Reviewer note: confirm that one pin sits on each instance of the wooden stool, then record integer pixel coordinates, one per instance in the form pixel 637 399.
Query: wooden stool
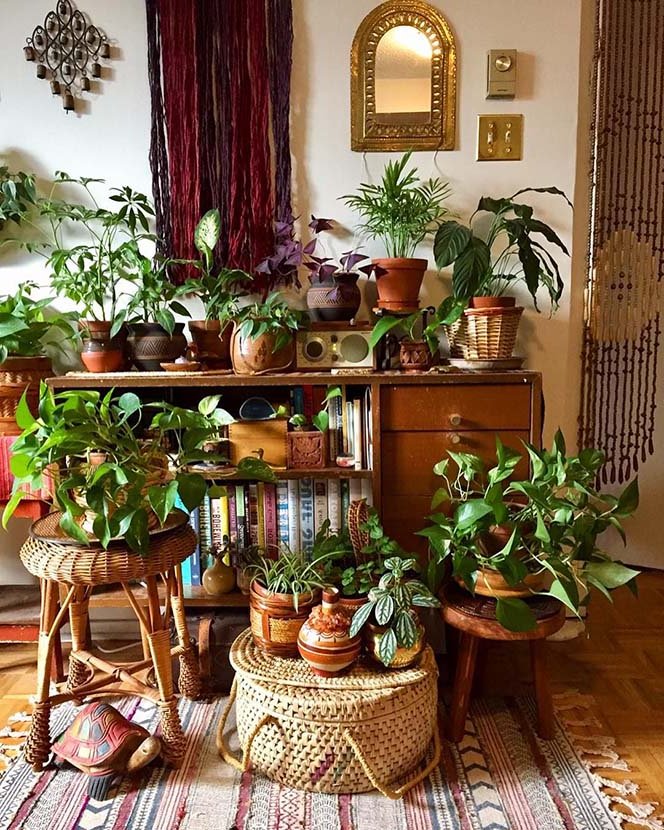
pixel 475 619
pixel 58 560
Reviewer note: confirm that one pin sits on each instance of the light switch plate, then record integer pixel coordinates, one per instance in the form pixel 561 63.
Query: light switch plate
pixel 499 137
pixel 501 73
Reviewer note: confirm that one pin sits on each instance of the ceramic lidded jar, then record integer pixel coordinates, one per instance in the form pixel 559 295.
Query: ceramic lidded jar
pixel 324 640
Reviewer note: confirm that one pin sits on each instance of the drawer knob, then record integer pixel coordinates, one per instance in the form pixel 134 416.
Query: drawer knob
pixel 455 438
pixel 455 419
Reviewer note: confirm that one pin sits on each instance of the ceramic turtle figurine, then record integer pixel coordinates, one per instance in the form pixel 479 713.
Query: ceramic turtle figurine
pixel 104 744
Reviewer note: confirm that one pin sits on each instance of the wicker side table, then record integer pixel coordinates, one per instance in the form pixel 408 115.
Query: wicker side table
pixel 58 560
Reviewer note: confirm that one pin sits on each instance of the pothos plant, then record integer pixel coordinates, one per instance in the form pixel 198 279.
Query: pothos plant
pixel 321 419
pixel 548 523
pixel 428 324
pixel 25 327
pixel 273 316
pixel 393 605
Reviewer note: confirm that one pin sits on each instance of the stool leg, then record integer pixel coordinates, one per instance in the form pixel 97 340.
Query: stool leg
pixel 79 623
pixel 38 743
pixel 463 683
pixel 542 690
pixel 190 676
pixel 172 736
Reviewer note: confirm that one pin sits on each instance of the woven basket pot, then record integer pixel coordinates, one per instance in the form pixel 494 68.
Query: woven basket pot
pixel 17 374
pixel 274 621
pixel 484 333
pixel 369 729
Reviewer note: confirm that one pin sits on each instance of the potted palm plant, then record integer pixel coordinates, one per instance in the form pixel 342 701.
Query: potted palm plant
pixel 402 212
pixel 219 291
pixel 512 539
pixel 488 266
pixel 27 334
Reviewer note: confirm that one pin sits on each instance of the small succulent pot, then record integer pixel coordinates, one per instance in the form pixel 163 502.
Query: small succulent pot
pixel 212 343
pixel 404 657
pixel 399 282
pixel 324 641
pixel 218 579
pixel 306 449
pixel 18 374
pixel 258 356
pixel 335 299
pixel 101 352
pixel 414 356
pixel 275 623
pixel 151 345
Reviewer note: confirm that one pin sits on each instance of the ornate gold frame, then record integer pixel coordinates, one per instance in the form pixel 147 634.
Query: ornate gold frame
pixel 440 132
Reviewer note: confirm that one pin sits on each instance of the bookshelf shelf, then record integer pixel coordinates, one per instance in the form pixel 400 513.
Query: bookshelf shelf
pixel 194 596
pixel 223 474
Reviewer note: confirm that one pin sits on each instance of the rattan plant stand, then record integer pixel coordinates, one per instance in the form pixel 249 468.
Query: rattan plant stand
pixel 371 728
pixel 59 561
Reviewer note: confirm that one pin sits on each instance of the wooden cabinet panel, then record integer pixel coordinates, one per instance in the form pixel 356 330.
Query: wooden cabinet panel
pixel 407 458
pixel 456 407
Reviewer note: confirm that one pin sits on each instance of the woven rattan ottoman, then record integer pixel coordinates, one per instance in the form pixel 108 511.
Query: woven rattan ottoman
pixel 372 728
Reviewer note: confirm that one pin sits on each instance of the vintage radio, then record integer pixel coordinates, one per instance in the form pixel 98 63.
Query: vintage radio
pixel 335 346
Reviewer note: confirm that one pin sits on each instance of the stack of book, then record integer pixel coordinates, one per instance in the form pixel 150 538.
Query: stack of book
pixel 269 515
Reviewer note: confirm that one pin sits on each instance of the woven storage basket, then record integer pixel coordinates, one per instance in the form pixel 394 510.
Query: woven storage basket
pixel 17 374
pixel 49 554
pixel 368 729
pixel 484 333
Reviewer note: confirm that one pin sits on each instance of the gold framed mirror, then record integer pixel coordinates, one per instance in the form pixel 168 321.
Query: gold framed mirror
pixel 403 79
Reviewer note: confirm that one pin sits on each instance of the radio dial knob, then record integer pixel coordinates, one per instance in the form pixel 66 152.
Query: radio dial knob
pixel 335 357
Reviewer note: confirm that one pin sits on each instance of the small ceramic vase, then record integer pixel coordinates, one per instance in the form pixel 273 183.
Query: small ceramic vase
pixel 218 579
pixel 324 640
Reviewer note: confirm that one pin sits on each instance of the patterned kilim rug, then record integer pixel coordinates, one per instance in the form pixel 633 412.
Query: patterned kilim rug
pixel 501 777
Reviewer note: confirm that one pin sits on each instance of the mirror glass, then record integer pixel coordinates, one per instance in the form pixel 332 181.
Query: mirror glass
pixel 403 77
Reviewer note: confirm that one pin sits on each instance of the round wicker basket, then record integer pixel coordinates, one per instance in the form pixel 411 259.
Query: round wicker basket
pixel 49 554
pixel 17 374
pixel 357 732
pixel 484 333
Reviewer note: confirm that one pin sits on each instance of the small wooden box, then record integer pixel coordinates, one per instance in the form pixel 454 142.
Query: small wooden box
pixel 307 449
pixel 247 438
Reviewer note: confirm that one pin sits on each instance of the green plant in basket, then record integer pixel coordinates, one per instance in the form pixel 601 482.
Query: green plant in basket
pixel 516 538
pixel 392 605
pixel 26 327
pixel 273 316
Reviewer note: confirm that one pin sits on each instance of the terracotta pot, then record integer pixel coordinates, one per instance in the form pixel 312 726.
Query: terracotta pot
pixel 404 657
pixel 151 345
pixel 306 449
pixel 492 302
pixel 491 583
pixel 101 352
pixel 414 356
pixel 218 579
pixel 335 299
pixel 324 640
pixel 16 375
pixel 258 357
pixel 274 621
pixel 212 344
pixel 351 604
pixel 399 287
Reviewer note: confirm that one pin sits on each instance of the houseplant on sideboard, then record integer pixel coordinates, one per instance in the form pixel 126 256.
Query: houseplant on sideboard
pixel 511 539
pixel 487 329
pixel 402 212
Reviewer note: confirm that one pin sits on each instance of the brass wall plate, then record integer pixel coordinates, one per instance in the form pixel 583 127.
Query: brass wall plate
pixel 500 137
pixel 501 73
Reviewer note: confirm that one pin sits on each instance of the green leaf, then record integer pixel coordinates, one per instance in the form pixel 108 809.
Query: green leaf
pixel 129 403
pixel 611 574
pixel 405 629
pixel 191 489
pixel 439 497
pixel 72 528
pixel 471 512
pixel 450 310
pixel 471 267
pixel 208 231
pixel 251 467
pixel 567 593
pixel 628 500
pixel 450 240
pixel 360 617
pixel 514 614
pixel 384 609
pixel 162 499
pixel 383 327
pixel 207 405
pixel 24 418
pixel 387 647
pixel 321 421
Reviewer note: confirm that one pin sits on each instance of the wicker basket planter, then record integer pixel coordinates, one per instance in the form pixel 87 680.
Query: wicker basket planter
pixel 17 374
pixel 369 729
pixel 274 621
pixel 484 333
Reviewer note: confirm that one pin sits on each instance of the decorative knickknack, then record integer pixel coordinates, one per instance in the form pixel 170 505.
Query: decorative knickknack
pixel 67 50
pixel 307 449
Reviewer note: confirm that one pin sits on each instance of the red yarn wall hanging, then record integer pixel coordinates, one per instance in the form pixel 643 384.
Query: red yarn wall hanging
pixel 220 91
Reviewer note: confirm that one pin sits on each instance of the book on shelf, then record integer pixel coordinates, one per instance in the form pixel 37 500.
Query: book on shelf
pixel 293 490
pixel 282 512
pixel 307 523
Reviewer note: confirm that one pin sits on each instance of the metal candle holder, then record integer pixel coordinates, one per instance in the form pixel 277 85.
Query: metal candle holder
pixel 67 50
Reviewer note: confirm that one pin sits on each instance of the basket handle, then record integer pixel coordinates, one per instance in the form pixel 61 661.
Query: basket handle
pixel 223 748
pixel 387 791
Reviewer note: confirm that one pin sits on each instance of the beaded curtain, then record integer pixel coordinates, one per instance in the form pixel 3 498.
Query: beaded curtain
pixel 626 250
pixel 219 77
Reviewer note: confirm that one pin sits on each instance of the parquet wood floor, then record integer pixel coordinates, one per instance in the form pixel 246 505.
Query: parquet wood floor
pixel 620 663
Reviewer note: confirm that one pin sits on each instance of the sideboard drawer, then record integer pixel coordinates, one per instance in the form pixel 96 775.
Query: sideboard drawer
pixel 456 407
pixel 408 458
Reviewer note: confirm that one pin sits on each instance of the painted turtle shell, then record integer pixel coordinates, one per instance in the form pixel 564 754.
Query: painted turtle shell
pixel 99 737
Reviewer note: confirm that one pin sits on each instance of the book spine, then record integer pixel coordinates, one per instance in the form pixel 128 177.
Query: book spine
pixel 344 420
pixel 204 534
pixel 355 489
pixel 345 501
pixel 252 513
pixel 366 491
pixel 293 515
pixel 320 504
pixel 216 521
pixel 308 393
pixel 306 492
pixel 193 563
pixel 270 510
pixel 260 519
pixel 282 512
pixel 242 529
pixel 186 565
pixel 334 504
pixel 358 447
pixel 298 400
pixel 225 519
pixel 333 436
pixel 232 518
pixel 349 427
pixel 368 428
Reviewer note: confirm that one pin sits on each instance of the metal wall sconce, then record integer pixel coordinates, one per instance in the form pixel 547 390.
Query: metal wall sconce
pixel 67 50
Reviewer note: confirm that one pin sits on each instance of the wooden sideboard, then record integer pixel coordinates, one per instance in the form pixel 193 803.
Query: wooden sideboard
pixel 415 419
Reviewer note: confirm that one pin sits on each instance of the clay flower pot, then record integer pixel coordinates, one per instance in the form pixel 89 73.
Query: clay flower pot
pixel 101 352
pixel 17 374
pixel 399 282
pixel 258 356
pixel 324 640
pixel 414 356
pixel 492 302
pixel 335 299
pixel 491 583
pixel 275 624
pixel 212 344
pixel 151 345
pixel 404 657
